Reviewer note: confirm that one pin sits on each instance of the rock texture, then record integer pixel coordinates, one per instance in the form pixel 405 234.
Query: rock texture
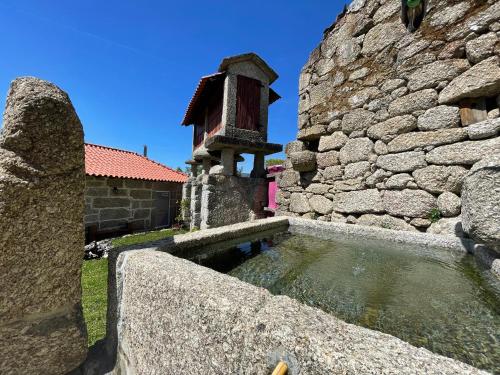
pixel 480 201
pixel 397 118
pixel 237 328
pixel 41 221
pixel 482 79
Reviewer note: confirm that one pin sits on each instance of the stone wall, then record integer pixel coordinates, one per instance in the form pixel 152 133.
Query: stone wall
pixel 390 122
pixel 114 203
pixel 230 199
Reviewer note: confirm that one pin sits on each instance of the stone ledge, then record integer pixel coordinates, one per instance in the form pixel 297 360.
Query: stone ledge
pixel 330 230
pixel 234 327
pixel 217 142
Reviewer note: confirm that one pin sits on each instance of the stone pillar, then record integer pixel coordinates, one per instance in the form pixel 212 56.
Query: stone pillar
pixel 229 102
pixel 195 204
pixel 259 170
pixel 42 233
pixel 194 170
pixel 186 201
pixel 207 164
pixel 227 161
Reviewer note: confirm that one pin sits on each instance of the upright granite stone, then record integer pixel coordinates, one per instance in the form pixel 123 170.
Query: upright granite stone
pixel 42 234
pixel 480 202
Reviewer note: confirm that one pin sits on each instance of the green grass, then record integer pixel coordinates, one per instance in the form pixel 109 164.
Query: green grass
pixel 95 283
pixel 95 288
pixel 146 237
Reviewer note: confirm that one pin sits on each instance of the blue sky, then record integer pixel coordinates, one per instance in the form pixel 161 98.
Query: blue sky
pixel 130 67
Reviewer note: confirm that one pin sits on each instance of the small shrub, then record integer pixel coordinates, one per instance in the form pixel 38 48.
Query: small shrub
pixel 434 215
pixel 271 162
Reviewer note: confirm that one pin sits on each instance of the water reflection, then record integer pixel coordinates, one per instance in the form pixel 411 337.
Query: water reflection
pixel 429 297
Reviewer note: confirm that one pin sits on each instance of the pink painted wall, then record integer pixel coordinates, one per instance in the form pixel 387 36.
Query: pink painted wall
pixel 273 186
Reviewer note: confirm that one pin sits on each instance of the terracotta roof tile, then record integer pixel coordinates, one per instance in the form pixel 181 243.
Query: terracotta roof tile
pixel 111 162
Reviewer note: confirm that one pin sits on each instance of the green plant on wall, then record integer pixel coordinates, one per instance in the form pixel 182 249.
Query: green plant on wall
pixel 270 162
pixel 184 205
pixel 434 215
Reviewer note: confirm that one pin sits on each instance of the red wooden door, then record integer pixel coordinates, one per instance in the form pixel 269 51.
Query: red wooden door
pixel 248 103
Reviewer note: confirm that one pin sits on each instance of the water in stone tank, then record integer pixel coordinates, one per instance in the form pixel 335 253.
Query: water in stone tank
pixel 437 299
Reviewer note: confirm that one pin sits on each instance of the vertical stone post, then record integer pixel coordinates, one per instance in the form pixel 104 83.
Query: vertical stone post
pixel 259 170
pixel 42 182
pixel 227 161
pixel 229 102
pixel 206 165
pixel 194 170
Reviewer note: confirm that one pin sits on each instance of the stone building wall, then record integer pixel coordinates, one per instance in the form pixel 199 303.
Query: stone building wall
pixel 113 203
pixel 230 199
pixel 390 122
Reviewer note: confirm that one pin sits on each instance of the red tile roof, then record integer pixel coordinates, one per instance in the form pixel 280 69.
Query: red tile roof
pixel 112 162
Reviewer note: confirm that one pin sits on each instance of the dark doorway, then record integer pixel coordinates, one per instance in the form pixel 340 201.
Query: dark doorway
pixel 161 210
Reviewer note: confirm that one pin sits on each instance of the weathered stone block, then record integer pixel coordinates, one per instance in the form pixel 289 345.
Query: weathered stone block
pixel 480 202
pixel 482 79
pixel 481 48
pixel 355 170
pixel 385 221
pixel 111 202
pixel 362 97
pixel 403 162
pixel 327 159
pixel 438 179
pixel 398 181
pixel 312 133
pixel 382 36
pixel 303 161
pixel 449 204
pixel 318 188
pixel 463 153
pixel 484 129
pixel 363 201
pixel 114 213
pixel 447 227
pixel 320 204
pixel 299 203
pixel 332 142
pixel 294 146
pixel 96 192
pixel 440 117
pixel 134 184
pixel 409 203
pixel 42 224
pixel 389 129
pixel 417 101
pixel 378 176
pixel 429 76
pixel 411 141
pixel 142 213
pixel 349 184
pixel 288 178
pixel 356 149
pixel 140 194
pixel 332 173
pixel 359 119
pixel 392 84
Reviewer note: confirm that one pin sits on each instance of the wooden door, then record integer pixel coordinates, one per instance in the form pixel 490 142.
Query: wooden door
pixel 248 103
